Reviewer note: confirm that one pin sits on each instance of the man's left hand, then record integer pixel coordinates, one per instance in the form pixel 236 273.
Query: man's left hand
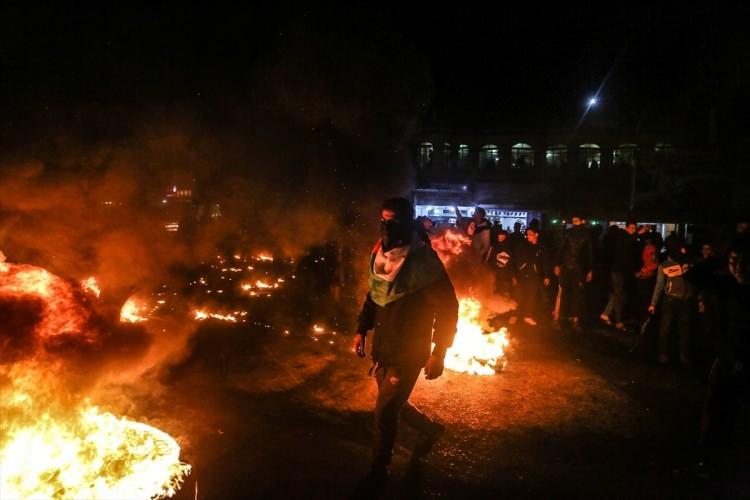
pixel 434 367
pixel 589 276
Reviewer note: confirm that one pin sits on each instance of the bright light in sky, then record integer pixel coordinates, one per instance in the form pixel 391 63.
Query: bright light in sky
pixel 592 101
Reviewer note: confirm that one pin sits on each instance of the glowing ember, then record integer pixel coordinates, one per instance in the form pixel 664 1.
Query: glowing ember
pixel 232 317
pixel 474 351
pixel 91 286
pixel 260 285
pixel 133 311
pixel 264 257
pixel 318 329
pixel 449 244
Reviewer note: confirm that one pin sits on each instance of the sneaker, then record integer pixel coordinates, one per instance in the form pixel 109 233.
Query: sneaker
pixel 513 320
pixel 529 321
pixel 606 319
pixel 663 359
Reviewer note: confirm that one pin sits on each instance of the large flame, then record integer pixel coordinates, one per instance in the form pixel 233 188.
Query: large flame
pixel 58 449
pixel 54 443
pixel 474 351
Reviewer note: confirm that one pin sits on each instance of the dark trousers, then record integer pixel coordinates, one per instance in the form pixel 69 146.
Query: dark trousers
pixel 675 313
pixel 728 396
pixel 394 387
pixel 529 295
pixel 616 296
pixel 503 281
pixel 571 299
pixel 644 290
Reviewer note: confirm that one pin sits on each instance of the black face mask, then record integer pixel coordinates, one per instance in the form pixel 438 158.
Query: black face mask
pixel 394 234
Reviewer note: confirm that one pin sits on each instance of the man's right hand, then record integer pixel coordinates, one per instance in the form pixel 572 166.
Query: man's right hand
pixel 358 345
pixel 651 309
pixel 557 271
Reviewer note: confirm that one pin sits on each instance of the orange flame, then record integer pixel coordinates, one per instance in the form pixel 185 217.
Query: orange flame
pixel 474 351
pixel 201 315
pixel 449 244
pixel 133 311
pixel 53 450
pixel 53 443
pixel 91 286
pixel 61 313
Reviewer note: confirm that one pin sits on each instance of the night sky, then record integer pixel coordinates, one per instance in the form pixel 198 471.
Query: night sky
pixel 467 68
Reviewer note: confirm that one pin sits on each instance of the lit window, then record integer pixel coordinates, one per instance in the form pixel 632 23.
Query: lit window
pixel 489 156
pixel 624 155
pixel 424 154
pixel 557 155
pixel 591 156
pixel 463 156
pixel 523 155
pixel 663 147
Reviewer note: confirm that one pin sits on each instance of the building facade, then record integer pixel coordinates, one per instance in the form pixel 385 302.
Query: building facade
pixel 607 176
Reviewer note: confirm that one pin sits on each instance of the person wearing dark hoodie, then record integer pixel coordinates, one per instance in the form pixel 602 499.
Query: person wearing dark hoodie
pixel 623 262
pixel 531 273
pixel 574 267
pixel 729 378
pixel 501 260
pixel 676 297
pixel 412 307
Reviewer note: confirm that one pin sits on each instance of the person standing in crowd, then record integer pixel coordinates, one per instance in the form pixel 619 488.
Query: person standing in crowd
pixel 729 379
pixel 708 304
pixel 656 239
pixel 649 233
pixel 479 230
pixel 574 264
pixel 645 279
pixel 501 260
pixel 623 262
pixel 530 270
pixel 676 297
pixel 496 228
pixel 412 306
pixel 516 237
pixel 424 227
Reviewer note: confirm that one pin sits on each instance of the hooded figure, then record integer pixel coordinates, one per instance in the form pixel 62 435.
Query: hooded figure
pixel 412 307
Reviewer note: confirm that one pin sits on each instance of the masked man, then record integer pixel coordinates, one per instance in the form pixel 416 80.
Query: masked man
pixel 412 306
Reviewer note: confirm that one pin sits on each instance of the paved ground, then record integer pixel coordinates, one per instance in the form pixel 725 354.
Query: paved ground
pixel 267 415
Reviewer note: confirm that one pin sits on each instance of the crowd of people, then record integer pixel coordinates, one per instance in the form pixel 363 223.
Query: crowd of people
pixel 627 278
